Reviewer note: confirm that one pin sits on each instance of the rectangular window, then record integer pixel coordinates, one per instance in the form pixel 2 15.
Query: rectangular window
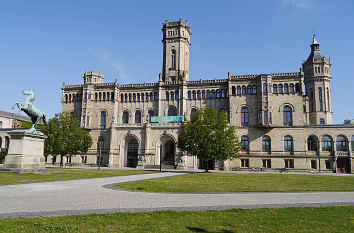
pixel 138 96
pixel 267 163
pixel 83 121
pixel 177 94
pixel 245 163
pixel 289 163
pixel 313 164
pixel 266 118
pixel 328 164
pixel 88 121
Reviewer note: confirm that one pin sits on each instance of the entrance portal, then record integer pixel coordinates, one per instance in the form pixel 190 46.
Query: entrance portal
pixel 167 151
pixel 132 153
pixel 343 165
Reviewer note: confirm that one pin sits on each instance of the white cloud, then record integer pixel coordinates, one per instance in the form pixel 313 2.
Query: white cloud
pixel 119 68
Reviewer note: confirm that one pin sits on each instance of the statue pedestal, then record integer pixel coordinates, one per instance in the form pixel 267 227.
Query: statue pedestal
pixel 25 152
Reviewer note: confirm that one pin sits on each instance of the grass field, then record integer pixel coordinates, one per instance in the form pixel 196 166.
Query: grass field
pixel 64 174
pixel 250 182
pixel 299 219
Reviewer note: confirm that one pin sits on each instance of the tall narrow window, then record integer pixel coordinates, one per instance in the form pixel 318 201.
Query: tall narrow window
pixel 107 96
pixel 280 88
pixel 264 87
pixel 125 117
pixel 203 94
pixel 341 143
pixel 194 95
pixel 177 94
pixel 167 95
pixel 254 89
pixel 198 94
pixel 288 143
pixel 208 94
pixel 249 90
pixel 189 95
pixel 245 143
pixel 138 96
pixel 130 97
pixel 173 59
pixel 134 97
pixel 138 117
pixel 312 143
pixel 217 93
pixel 172 95
pixel 88 121
pixel 103 119
pixel 243 90
pixel 222 93
pixel 151 114
pixel 275 89
pixel 156 96
pixel 266 143
pixel 238 90
pixel 287 116
pixel 233 90
pixel 326 143
pixel 291 87
pixel 212 93
pixel 244 115
pixel 142 97
pixel 266 118
pixel 286 88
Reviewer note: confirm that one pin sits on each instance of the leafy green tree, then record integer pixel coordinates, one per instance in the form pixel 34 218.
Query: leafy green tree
pixel 65 137
pixel 209 136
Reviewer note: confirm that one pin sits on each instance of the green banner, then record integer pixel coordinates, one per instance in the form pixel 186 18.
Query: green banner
pixel 156 119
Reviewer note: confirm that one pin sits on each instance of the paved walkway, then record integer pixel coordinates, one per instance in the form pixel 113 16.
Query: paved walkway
pixel 98 195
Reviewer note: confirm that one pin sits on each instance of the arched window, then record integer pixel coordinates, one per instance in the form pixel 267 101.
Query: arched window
pixel 147 96
pixel 254 89
pixel 264 87
pixel 151 96
pixel 341 143
pixel 238 90
pixel 194 95
pixel 227 93
pixel 245 143
pixel 167 95
pixel 155 96
pixel 104 96
pixel 125 117
pixel 287 116
pixel 172 95
pixel 266 143
pixel 249 90
pixel 126 97
pixel 288 143
pixel 103 119
pixel 326 143
pixel 233 91
pixel 208 94
pixel 66 98
pixel 291 86
pixel 151 114
pixel 138 97
pixel 112 95
pixel 107 96
pixel 243 90
pixel 173 59
pixel 130 97
pixel 222 93
pixel 286 88
pixel 244 115
pixel 297 87
pixel 142 97
pixel 172 111
pixel 280 88
pixel 137 117
pixel 134 97
pixel 322 122
pixel 96 96
pixel 312 143
pixel 275 88
pixel 176 94
pixel 198 94
pixel 352 143
pixel 212 93
pixel 189 95
pixel 74 98
pixel 217 93
pixel 193 111
pixel 203 94
pixel 99 96
pixel 121 97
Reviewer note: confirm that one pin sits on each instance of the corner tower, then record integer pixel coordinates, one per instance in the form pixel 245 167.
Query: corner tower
pixel 317 79
pixel 176 44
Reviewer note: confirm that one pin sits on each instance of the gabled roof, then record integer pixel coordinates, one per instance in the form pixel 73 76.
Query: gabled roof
pixel 15 116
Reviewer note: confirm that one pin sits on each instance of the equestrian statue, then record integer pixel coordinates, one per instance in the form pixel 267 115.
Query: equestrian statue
pixel 34 113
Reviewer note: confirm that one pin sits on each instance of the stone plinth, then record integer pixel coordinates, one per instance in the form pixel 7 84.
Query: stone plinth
pixel 25 151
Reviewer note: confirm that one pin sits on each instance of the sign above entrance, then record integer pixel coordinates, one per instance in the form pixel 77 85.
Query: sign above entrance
pixel 156 119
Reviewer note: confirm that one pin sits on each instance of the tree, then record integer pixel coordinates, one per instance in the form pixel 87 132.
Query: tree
pixel 209 136
pixel 65 137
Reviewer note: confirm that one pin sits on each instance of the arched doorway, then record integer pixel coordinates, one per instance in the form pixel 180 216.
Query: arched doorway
pixel 167 151
pixel 132 153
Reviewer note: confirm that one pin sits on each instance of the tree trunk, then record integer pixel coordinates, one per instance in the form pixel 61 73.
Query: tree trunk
pixel 61 160
pixel 206 165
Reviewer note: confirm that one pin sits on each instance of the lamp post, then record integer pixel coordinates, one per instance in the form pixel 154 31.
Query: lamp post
pixel 100 154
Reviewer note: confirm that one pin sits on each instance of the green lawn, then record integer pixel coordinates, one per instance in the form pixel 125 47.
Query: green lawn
pixel 299 219
pixel 231 182
pixel 65 174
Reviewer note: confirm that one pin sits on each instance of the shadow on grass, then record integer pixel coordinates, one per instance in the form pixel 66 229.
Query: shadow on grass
pixel 197 229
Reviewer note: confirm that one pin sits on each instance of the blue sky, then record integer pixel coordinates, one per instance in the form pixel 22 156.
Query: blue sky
pixel 46 43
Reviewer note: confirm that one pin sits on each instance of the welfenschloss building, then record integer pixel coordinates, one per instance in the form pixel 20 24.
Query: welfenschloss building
pixel 283 120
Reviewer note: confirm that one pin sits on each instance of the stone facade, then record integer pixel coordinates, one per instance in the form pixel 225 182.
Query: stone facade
pixel 282 119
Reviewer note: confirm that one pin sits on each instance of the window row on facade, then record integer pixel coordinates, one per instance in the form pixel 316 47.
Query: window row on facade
pixel 288 163
pixel 98 96
pixel 277 88
pixel 137 97
pixel 208 94
pixel 312 143
pixel 266 116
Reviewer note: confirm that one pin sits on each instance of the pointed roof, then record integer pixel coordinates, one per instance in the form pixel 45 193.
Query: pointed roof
pixel 314 41
pixel 315 50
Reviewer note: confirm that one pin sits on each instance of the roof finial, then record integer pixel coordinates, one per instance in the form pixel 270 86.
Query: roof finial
pixel 314 41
